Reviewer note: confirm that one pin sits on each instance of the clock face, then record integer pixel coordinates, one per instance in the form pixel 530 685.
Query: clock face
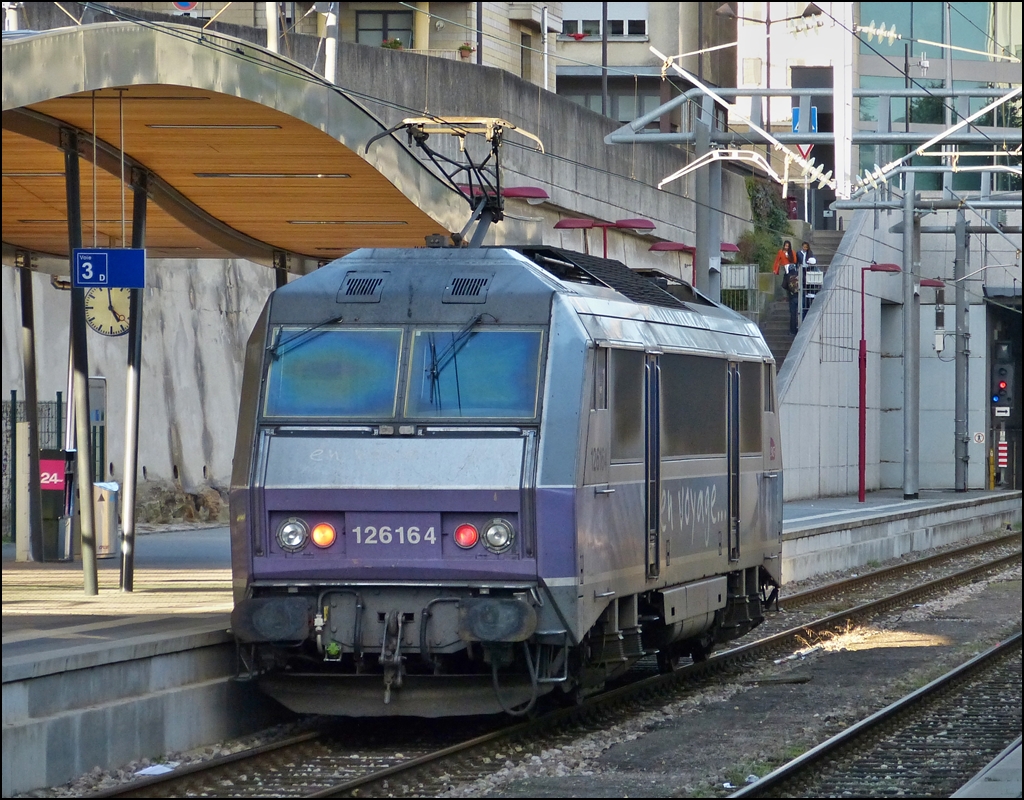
pixel 106 310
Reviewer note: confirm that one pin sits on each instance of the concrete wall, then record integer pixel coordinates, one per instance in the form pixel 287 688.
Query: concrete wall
pixel 196 319
pixel 148 696
pixel 818 383
pixel 816 550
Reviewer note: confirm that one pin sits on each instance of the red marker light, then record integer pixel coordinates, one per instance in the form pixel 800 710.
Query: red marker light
pixel 466 536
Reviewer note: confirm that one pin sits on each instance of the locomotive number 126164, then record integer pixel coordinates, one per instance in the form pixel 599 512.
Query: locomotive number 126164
pixel 394 531
pixel 385 534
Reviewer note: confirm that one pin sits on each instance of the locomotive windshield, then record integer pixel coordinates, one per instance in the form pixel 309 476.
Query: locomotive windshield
pixel 350 372
pixel 474 373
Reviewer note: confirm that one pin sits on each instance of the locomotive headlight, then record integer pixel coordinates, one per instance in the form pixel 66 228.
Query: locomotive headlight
pixel 498 535
pixel 292 534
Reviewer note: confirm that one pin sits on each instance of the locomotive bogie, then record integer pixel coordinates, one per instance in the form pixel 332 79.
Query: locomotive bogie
pixel 466 478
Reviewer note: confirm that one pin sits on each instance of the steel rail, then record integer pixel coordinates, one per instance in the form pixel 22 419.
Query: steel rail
pixel 652 687
pixel 132 789
pixel 661 684
pixel 807 761
pixel 814 595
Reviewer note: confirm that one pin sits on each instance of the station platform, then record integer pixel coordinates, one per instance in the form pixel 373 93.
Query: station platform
pixel 104 680
pixel 1000 778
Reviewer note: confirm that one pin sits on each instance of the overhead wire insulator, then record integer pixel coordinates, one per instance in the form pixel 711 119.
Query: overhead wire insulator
pixel 880 32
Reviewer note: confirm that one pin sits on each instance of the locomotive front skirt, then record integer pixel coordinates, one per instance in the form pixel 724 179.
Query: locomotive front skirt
pixel 467 478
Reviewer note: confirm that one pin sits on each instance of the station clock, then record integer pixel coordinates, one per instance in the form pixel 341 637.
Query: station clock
pixel 106 310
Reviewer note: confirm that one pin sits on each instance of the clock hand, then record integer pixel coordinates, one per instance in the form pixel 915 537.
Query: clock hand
pixel 110 305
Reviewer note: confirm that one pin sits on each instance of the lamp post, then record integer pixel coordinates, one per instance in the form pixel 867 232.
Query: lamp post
pixel 579 225
pixel 863 380
pixel 679 247
pixel 586 224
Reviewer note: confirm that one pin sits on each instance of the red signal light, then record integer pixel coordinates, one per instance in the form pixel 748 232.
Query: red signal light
pixel 1002 385
pixel 466 536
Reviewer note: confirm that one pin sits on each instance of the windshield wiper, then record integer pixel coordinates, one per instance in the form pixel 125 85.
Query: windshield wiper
pixel 308 334
pixel 439 362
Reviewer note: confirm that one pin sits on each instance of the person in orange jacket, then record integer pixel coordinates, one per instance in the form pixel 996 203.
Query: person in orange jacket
pixel 785 257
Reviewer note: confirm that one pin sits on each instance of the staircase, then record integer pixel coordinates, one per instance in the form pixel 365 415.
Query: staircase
pixel 775 327
pixel 774 322
pixel 824 244
pixel 775 319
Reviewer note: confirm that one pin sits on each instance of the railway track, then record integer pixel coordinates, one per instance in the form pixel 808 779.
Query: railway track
pixel 324 763
pixel 926 744
pixel 865 581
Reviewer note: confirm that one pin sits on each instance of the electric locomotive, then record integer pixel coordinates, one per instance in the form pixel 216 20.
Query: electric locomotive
pixel 467 478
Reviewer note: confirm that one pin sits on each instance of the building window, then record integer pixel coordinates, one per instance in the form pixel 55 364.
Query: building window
pixel 376 27
pixel 624 19
pixel 752 69
pixel 971 25
pixel 624 106
pixel 526 57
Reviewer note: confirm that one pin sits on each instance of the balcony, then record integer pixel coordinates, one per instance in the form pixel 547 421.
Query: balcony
pixel 530 14
pixel 451 55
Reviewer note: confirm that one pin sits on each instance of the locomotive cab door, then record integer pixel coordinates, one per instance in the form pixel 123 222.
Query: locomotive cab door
pixel 733 459
pixel 652 464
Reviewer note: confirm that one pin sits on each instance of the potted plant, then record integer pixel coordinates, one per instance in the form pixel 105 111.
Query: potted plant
pixel 465 49
pixel 392 44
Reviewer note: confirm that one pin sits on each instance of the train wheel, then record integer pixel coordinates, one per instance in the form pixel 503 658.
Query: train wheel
pixel 669 660
pixel 701 648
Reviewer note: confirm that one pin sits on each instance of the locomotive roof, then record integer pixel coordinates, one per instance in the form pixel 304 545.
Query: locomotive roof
pixel 513 284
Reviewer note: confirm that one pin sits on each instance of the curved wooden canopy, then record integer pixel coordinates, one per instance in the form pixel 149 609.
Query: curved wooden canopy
pixel 246 153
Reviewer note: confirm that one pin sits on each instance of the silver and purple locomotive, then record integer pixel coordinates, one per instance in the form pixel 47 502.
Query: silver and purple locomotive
pixel 467 478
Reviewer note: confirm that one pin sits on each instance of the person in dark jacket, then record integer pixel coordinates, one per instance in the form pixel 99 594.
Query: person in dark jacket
pixel 791 283
pixel 803 256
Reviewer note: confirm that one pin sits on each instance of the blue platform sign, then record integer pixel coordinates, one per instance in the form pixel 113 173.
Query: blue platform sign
pixel 116 268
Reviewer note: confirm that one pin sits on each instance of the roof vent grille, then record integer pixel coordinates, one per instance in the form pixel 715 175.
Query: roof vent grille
pixel 361 287
pixel 467 289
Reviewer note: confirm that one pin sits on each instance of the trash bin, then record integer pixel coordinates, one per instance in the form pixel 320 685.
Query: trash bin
pixel 104 499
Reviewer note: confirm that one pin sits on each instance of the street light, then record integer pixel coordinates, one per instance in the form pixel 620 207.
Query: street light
pixel 679 247
pixel 533 195
pixel 863 376
pixel 572 223
pixel 577 224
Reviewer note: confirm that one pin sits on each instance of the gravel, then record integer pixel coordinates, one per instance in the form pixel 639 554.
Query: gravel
pixel 612 761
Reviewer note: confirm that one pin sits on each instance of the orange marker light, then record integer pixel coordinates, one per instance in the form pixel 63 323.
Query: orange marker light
pixel 466 536
pixel 323 534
